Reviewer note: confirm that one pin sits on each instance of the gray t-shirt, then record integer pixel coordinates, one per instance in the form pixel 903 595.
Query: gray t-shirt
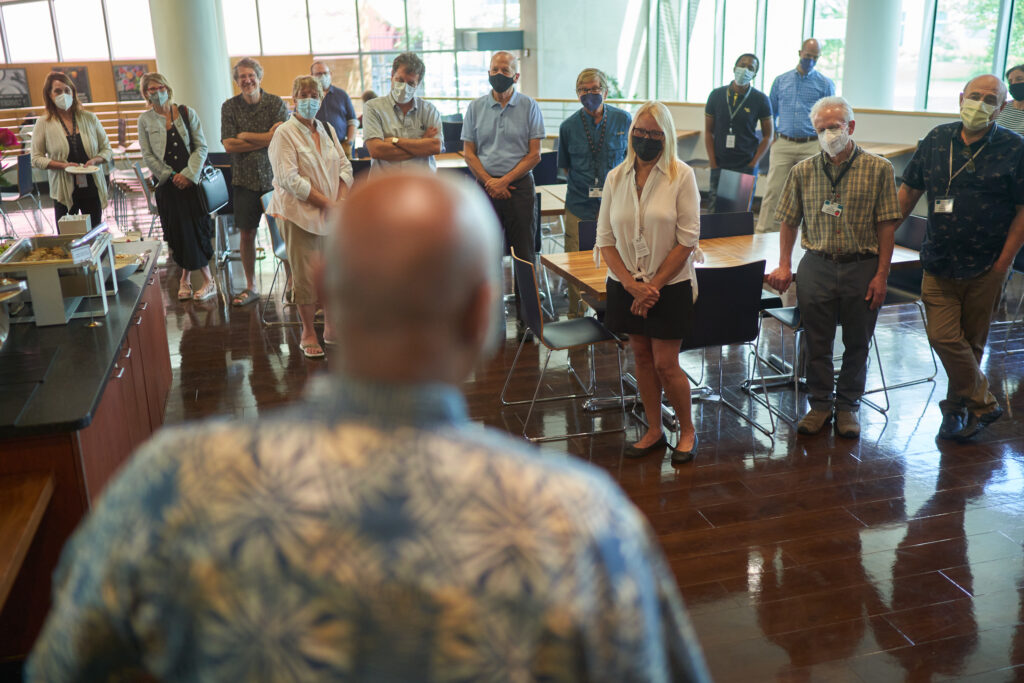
pixel 383 119
pixel 251 170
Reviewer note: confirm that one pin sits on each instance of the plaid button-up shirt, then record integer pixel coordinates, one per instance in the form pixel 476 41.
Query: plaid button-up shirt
pixel 867 193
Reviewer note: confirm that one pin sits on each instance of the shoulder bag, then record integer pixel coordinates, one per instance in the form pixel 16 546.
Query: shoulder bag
pixel 213 189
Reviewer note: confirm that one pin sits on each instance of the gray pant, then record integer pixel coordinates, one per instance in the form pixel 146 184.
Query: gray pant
pixel 829 293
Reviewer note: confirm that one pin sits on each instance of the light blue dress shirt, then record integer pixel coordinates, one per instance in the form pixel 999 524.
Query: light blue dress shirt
pixel 383 119
pixel 792 96
pixel 502 134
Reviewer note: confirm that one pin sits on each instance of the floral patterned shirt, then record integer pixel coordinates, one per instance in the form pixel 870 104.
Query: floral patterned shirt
pixel 369 533
pixel 251 170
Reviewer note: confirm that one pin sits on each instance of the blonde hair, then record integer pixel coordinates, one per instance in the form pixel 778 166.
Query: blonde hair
pixel 669 161
pixel 588 75
pixel 154 77
pixel 307 83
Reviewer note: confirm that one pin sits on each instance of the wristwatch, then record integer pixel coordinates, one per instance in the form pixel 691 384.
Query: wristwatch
pixel 394 141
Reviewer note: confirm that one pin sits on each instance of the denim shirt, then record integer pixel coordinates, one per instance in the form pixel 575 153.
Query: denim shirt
pixel 153 140
pixel 577 157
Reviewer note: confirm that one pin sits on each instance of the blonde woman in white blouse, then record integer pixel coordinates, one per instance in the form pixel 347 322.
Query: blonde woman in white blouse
pixel 311 175
pixel 647 230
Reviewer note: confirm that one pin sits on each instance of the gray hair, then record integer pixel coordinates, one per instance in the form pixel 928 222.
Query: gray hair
pixel 833 102
pixel 410 62
pixel 247 63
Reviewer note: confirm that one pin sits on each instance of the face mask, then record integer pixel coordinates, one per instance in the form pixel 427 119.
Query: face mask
pixel 591 101
pixel 500 82
pixel 646 148
pixel 63 101
pixel 975 114
pixel 1017 91
pixel 307 107
pixel 402 92
pixel 833 141
pixel 743 75
pixel 325 81
pixel 807 64
pixel 159 98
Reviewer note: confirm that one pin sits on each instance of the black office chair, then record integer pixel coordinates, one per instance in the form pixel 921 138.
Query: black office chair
pixel 714 225
pixel 360 167
pixel 546 172
pixel 728 312
pixel 567 334
pixel 452 131
pixel 735 192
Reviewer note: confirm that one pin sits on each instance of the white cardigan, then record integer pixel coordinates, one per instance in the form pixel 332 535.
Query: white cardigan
pixel 49 142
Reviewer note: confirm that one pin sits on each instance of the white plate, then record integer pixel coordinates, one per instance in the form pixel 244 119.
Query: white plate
pixel 82 170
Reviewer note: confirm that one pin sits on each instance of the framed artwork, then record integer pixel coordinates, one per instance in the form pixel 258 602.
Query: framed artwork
pixel 127 78
pixel 14 89
pixel 79 75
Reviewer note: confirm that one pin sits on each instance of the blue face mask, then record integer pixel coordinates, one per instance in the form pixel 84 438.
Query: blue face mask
pixel 158 98
pixel 591 101
pixel 807 64
pixel 307 108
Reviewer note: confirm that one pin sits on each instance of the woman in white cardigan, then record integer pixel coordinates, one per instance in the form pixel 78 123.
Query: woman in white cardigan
pixel 66 137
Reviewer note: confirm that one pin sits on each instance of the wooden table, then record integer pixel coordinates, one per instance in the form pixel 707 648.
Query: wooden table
pixel 552 199
pixel 888 150
pixel 681 134
pixel 578 267
pixel 450 160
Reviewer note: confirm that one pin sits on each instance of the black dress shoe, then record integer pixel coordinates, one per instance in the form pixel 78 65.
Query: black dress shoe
pixel 656 447
pixel 975 423
pixel 680 457
pixel 951 424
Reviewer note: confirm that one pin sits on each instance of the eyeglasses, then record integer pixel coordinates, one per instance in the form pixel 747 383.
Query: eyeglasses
pixel 597 90
pixel 652 134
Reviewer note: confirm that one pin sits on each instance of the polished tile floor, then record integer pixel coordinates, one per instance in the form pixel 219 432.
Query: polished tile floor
pixel 892 557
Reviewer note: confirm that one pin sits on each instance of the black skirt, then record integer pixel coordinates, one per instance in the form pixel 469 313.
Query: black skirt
pixel 670 318
pixel 187 228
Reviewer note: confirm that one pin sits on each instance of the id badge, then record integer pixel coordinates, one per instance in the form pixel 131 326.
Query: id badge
pixel 944 205
pixel 640 247
pixel 80 181
pixel 594 192
pixel 832 208
pixel 730 141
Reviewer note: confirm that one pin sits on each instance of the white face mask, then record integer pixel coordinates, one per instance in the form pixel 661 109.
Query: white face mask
pixel 325 81
pixel 402 92
pixel 833 141
pixel 63 100
pixel 975 114
pixel 743 75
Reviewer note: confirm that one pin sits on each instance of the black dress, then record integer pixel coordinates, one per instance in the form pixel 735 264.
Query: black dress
pixel 85 199
pixel 187 228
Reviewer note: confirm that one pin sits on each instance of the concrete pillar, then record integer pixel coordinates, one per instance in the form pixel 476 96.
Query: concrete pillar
pixel 191 51
pixel 872 51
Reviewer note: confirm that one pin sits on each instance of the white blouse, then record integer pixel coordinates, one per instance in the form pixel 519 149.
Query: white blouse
pixel 668 212
pixel 299 167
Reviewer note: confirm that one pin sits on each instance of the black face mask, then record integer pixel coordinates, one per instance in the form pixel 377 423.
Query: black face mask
pixel 646 148
pixel 500 82
pixel 1017 91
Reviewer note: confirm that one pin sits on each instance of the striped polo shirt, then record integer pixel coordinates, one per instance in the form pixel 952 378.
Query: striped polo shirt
pixel 792 96
pixel 1012 118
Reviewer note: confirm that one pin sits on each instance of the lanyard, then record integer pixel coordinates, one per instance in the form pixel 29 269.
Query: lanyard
pixel 828 174
pixel 595 151
pixel 965 164
pixel 733 112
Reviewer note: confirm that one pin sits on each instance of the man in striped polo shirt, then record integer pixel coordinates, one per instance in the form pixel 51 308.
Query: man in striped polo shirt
pixel 792 96
pixel 846 199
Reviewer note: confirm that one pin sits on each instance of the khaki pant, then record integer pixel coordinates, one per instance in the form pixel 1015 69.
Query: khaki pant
pixel 571 238
pixel 959 313
pixel 305 252
pixel 784 156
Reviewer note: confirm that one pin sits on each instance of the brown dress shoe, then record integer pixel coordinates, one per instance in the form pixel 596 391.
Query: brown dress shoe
pixel 813 421
pixel 847 424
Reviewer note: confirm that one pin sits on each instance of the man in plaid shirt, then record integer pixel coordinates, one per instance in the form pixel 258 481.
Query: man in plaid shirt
pixel 846 198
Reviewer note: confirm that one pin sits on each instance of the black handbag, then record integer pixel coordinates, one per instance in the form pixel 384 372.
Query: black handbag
pixel 213 188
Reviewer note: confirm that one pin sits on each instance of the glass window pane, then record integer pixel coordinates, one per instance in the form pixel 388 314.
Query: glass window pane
pixel 473 67
pixel 511 13
pixel 345 74
pixel 81 30
pixel 699 48
pixel 909 62
pixel 1015 55
pixel 241 29
pixel 30 32
pixel 963 47
pixel 482 14
pixel 440 80
pixel 382 26
pixel 830 30
pixel 131 29
pixel 782 40
pixel 284 27
pixel 430 25
pixel 333 26
pixel 377 71
pixel 738 37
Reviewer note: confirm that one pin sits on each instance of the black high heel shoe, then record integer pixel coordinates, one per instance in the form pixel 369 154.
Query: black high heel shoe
pixel 680 457
pixel 658 446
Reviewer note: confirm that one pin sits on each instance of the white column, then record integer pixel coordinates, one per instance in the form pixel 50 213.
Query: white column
pixel 871 52
pixel 191 51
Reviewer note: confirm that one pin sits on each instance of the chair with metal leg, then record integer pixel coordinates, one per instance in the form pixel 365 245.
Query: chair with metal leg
pixel 150 199
pixel 281 256
pixel 576 333
pixel 25 189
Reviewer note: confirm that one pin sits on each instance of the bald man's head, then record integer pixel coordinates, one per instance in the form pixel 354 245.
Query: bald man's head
pixel 986 88
pixel 411 259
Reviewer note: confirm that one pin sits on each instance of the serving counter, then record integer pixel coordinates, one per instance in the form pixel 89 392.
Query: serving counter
pixel 75 401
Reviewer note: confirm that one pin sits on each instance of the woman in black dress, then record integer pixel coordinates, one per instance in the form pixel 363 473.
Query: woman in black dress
pixel 174 149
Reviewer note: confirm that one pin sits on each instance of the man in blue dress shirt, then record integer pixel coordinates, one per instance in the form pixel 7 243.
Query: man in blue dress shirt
pixel 372 531
pixel 591 142
pixel 336 107
pixel 973 174
pixel 792 96
pixel 501 132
